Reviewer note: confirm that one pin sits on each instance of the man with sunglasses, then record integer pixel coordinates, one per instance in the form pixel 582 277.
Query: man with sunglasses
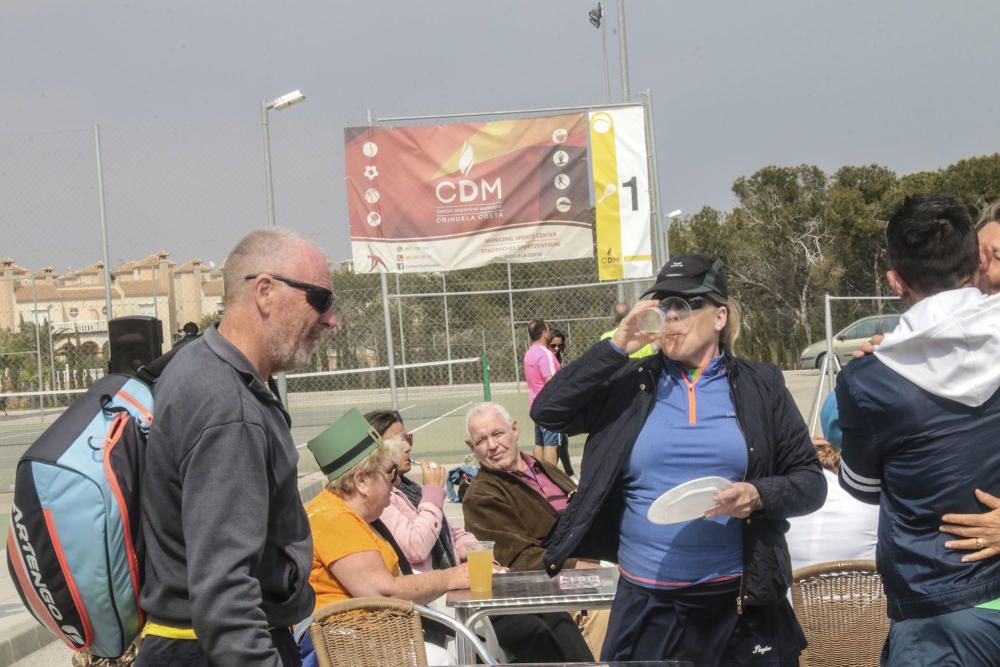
pixel 228 547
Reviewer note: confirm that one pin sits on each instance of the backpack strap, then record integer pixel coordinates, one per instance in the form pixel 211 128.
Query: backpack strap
pixel 149 373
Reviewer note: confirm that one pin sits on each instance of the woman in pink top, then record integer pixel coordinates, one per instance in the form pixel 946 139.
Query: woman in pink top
pixel 415 514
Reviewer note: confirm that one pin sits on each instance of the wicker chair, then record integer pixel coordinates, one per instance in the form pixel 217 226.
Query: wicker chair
pixel 841 607
pixel 378 632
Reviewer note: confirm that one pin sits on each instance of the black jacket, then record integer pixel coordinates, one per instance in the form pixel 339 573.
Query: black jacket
pixel 609 397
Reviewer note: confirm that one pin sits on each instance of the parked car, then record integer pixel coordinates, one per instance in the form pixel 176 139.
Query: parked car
pixel 849 339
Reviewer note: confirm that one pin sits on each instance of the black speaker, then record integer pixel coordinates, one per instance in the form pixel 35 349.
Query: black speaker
pixel 134 342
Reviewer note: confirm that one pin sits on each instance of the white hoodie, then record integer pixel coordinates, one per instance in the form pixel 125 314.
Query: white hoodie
pixel 949 345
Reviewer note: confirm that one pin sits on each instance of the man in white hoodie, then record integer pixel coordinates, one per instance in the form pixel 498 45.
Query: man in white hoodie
pixel 919 420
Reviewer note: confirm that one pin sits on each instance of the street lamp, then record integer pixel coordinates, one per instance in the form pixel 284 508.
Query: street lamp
pixel 596 16
pixel 278 103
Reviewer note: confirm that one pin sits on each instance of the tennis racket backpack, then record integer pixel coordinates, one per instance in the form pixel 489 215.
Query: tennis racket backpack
pixel 74 548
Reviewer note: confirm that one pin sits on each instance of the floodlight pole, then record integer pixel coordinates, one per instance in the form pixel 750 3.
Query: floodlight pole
pixel 623 50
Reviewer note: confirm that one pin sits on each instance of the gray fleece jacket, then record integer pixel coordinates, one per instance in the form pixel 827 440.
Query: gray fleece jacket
pixel 228 547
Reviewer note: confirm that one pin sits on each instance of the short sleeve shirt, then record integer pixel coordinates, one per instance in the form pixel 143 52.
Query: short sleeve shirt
pixel 337 532
pixel 539 363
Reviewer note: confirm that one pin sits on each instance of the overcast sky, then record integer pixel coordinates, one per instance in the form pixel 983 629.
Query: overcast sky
pixel 176 87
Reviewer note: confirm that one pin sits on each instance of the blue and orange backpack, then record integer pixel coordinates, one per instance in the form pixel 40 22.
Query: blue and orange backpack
pixel 74 548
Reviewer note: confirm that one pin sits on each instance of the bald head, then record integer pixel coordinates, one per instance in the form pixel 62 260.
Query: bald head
pixel 268 250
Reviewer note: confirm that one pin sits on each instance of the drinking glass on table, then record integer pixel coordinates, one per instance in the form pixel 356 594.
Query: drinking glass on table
pixel 480 559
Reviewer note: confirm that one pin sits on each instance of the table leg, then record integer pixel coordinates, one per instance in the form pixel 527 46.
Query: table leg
pixel 466 654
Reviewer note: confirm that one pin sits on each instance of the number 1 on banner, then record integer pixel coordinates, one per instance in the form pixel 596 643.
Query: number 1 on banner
pixel 618 161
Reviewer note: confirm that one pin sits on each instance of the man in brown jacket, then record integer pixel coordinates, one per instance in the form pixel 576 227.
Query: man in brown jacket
pixel 514 501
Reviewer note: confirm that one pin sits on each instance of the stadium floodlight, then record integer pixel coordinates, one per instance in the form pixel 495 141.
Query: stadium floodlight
pixel 673 214
pixel 596 14
pixel 286 100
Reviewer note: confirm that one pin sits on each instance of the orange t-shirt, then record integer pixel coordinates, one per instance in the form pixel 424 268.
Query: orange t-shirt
pixel 337 532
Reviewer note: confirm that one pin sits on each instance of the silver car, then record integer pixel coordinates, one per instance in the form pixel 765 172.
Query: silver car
pixel 849 339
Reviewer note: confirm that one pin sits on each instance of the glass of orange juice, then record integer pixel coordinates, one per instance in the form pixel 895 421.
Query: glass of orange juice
pixel 480 557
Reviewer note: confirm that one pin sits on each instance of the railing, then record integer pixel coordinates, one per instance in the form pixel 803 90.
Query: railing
pixel 80 326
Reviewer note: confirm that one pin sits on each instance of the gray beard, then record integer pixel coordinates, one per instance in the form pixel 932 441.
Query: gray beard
pixel 288 353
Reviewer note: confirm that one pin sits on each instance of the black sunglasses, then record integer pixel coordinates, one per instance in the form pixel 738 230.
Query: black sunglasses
pixel 693 302
pixel 320 298
pixel 557 346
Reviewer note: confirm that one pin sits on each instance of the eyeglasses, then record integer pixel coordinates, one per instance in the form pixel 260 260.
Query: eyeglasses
pixel 409 438
pixel 693 302
pixel 557 346
pixel 320 298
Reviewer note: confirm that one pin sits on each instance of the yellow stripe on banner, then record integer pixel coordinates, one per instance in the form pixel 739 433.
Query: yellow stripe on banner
pixel 157 630
pixel 606 190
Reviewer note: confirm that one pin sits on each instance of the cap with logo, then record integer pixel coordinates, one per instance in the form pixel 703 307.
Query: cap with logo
pixel 344 444
pixel 690 275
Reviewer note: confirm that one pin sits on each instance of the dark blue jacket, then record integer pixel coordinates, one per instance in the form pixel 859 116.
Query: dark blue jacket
pixel 609 397
pixel 920 456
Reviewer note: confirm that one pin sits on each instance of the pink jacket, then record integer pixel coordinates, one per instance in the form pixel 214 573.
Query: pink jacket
pixel 416 529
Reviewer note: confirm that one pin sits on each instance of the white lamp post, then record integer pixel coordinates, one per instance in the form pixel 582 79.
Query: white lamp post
pixel 277 104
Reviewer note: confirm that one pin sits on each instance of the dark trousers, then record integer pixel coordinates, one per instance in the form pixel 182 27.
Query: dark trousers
pixel 967 637
pixel 162 652
pixel 700 624
pixel 564 454
pixel 551 637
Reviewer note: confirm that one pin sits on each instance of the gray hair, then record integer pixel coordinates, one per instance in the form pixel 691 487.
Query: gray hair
pixel 260 251
pixel 990 214
pixel 344 485
pixel 482 408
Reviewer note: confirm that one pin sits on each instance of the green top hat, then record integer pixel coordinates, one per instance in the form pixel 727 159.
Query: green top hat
pixel 344 444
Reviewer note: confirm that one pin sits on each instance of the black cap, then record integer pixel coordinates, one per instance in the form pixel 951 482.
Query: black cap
pixel 690 275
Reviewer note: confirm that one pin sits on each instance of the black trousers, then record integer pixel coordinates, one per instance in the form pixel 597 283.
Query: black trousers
pixel 162 652
pixel 564 454
pixel 700 624
pixel 551 637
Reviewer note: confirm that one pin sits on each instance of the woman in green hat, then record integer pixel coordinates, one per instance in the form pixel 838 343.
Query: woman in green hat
pixel 350 559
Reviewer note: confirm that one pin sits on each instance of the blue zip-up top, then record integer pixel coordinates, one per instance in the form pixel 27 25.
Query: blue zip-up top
pixel 691 432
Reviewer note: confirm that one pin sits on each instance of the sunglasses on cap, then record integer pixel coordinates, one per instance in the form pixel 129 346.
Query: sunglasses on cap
pixel 320 298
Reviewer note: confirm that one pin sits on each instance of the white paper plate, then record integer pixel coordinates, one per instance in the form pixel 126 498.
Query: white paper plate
pixel 687 501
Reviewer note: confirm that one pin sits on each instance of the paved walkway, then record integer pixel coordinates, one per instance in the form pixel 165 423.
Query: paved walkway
pixel 25 643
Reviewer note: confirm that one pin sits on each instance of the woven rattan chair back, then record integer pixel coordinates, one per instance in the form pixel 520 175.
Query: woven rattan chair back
pixel 841 607
pixel 368 632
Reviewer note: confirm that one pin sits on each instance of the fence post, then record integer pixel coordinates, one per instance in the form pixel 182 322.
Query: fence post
pixel 513 333
pixel 402 339
pixel 487 393
pixel 388 339
pixel 447 329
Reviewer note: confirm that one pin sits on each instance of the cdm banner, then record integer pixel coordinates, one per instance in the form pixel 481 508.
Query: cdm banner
pixel 443 197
